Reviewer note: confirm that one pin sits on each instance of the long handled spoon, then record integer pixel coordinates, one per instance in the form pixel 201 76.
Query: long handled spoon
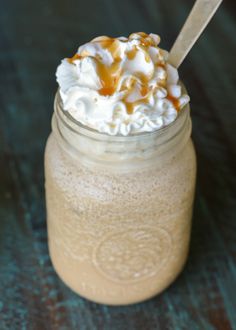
pixel 199 17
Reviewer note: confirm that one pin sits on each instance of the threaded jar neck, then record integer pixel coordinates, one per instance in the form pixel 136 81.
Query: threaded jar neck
pixel 136 150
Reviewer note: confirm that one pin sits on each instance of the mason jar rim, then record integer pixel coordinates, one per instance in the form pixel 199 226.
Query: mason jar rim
pixel 79 128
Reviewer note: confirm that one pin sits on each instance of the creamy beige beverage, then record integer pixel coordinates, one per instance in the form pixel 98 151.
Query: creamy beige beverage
pixel 119 197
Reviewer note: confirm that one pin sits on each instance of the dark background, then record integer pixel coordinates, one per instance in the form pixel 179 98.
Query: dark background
pixel 34 37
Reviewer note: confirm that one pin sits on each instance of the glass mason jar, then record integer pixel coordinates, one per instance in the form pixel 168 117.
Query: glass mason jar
pixel 118 207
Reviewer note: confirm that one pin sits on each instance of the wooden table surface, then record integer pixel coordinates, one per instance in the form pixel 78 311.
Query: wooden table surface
pixel 34 37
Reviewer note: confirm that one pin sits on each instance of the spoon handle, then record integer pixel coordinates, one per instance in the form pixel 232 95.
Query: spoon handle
pixel 199 17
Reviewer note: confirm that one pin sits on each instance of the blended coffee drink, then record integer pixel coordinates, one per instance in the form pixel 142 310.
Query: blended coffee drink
pixel 120 171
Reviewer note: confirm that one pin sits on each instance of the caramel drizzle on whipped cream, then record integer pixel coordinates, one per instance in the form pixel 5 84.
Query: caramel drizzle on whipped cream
pixel 110 75
pixel 74 58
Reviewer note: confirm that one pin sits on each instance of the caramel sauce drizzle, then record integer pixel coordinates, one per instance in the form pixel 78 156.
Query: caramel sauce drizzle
pixel 174 101
pixel 110 75
pixel 147 58
pixel 130 105
pixel 112 45
pixel 162 65
pixel 132 53
pixel 145 40
pixel 144 79
pixel 142 34
pixel 144 90
pixel 74 58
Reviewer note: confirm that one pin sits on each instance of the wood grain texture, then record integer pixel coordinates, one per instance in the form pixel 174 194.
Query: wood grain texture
pixel 34 36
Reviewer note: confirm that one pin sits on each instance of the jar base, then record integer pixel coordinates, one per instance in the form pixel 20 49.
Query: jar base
pixel 127 296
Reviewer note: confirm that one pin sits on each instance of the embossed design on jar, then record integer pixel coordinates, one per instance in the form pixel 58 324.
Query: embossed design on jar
pixel 133 255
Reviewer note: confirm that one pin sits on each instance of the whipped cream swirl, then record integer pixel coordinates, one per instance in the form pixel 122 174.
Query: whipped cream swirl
pixel 121 86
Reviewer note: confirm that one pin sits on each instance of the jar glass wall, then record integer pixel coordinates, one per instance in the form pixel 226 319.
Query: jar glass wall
pixel 119 208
